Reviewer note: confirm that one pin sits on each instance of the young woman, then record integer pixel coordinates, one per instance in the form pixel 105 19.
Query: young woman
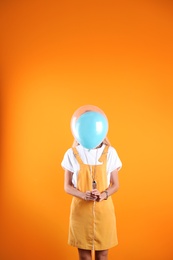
pixel 91 177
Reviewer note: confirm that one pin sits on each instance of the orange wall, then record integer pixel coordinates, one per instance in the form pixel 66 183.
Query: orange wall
pixel 56 57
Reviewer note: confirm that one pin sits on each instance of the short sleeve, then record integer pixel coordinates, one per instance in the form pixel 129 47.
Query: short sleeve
pixel 69 162
pixel 114 161
pixel 66 162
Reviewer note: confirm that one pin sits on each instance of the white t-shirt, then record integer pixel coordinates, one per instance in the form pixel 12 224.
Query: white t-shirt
pixel 90 157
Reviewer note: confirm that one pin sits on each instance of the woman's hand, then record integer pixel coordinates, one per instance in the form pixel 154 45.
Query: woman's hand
pixel 102 196
pixel 99 196
pixel 92 195
pixel 95 195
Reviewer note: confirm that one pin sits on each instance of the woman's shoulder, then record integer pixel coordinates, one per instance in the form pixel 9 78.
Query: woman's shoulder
pixel 112 150
pixel 68 152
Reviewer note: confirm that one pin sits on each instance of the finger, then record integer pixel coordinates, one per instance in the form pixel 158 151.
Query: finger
pixel 95 192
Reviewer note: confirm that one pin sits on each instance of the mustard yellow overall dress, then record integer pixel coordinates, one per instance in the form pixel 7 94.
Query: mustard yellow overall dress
pixel 92 224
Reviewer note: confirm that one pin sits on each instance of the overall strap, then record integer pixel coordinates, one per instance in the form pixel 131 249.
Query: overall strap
pixel 76 154
pixel 103 156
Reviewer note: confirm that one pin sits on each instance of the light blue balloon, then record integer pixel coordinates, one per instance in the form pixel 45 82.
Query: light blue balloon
pixel 90 129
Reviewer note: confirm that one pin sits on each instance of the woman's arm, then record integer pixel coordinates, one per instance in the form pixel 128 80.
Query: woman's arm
pixel 68 185
pixel 90 195
pixel 70 189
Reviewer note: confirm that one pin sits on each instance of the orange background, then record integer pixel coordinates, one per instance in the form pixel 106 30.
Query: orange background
pixel 56 57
